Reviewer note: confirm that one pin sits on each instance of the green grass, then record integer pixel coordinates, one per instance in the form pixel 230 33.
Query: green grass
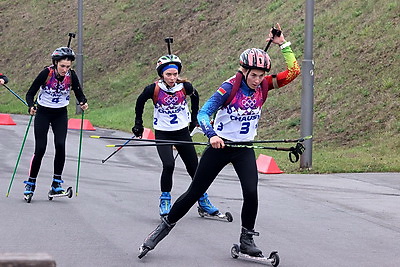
pixel 356 54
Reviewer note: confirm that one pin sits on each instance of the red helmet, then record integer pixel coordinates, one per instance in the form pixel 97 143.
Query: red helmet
pixel 255 58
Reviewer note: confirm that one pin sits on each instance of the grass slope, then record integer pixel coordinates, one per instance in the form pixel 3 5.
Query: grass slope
pixel 356 54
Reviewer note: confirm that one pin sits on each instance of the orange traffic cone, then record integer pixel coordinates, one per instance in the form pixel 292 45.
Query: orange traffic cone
pixel 5 119
pixel 75 124
pixel 148 134
pixel 267 164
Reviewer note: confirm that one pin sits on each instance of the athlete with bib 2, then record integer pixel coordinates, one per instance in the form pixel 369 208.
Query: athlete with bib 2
pixel 171 117
pixel 235 120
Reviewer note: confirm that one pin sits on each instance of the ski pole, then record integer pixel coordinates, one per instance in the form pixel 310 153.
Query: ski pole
pixel 203 143
pixel 271 141
pixel 19 155
pixel 153 144
pixel 173 142
pixel 16 95
pixel 294 152
pixel 79 154
pixel 119 148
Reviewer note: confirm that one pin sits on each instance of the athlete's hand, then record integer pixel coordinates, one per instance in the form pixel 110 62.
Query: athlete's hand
pixel 192 125
pixel 217 142
pixel 84 106
pixel 32 110
pixel 276 39
pixel 138 130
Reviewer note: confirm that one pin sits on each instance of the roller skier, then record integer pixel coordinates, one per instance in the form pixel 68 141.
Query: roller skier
pixel 172 121
pixel 53 85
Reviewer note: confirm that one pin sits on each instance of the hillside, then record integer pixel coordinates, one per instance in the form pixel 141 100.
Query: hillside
pixel 356 54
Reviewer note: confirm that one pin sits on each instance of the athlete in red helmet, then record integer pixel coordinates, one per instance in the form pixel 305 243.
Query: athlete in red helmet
pixel 238 109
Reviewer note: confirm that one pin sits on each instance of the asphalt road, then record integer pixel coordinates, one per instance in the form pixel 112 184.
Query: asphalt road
pixel 312 220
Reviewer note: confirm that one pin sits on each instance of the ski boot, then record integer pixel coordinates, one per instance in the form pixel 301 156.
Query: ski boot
pixel 57 190
pixel 206 209
pixel 247 245
pixel 29 189
pixel 156 236
pixel 165 203
pixel 248 249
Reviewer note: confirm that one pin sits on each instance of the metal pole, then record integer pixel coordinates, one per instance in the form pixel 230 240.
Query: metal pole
pixel 79 54
pixel 307 95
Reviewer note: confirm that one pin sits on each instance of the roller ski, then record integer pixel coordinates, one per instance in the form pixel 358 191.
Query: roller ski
pixel 57 190
pixel 29 189
pixel 155 237
pixel 206 209
pixel 249 251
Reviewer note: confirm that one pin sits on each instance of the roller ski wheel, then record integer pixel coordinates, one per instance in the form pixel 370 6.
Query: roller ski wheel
pixel 143 250
pixel 67 193
pixel 28 197
pixel 218 215
pixel 273 258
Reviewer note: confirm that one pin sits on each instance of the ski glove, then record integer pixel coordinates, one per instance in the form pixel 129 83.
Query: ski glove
pixel 137 130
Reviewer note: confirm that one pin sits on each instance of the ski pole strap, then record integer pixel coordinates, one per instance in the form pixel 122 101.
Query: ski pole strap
pixel 295 152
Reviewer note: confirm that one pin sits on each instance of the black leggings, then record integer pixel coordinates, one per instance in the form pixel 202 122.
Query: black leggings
pixel 186 152
pixel 58 119
pixel 211 163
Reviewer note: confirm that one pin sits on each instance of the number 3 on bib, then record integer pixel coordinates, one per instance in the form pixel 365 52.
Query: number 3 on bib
pixel 245 127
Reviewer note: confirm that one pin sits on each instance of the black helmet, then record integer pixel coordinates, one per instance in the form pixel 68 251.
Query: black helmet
pixel 62 53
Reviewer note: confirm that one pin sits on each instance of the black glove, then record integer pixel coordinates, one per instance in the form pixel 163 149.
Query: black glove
pixel 137 130
pixel 29 109
pixel 192 125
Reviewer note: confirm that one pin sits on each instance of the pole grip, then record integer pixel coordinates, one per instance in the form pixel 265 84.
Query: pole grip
pixel 275 32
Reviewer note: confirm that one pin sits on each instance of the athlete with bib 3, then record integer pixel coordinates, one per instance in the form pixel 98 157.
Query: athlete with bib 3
pixel 237 104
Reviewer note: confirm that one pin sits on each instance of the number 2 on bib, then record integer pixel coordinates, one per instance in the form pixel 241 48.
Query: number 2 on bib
pixel 174 119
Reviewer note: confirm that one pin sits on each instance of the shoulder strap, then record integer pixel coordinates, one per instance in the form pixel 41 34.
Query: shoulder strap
pixel 51 70
pixel 155 94
pixel 235 87
pixel 274 81
pixel 264 89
